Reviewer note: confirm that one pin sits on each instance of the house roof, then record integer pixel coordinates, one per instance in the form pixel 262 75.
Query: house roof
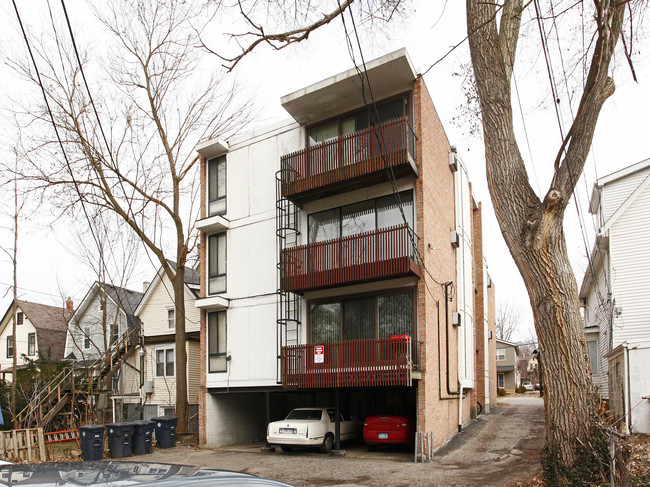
pixel 50 323
pixel 126 299
pixel 192 281
pixel 594 201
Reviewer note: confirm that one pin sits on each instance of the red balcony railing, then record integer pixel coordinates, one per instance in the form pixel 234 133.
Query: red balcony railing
pixel 357 363
pixel 378 254
pixel 354 160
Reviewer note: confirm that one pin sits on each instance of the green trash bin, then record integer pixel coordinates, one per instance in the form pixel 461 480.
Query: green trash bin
pixel 120 437
pixel 165 430
pixel 91 438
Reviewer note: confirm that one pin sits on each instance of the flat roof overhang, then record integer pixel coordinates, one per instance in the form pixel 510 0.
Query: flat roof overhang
pixel 389 75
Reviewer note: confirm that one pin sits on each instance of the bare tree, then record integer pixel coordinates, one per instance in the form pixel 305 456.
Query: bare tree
pixel 125 137
pixel 508 319
pixel 532 225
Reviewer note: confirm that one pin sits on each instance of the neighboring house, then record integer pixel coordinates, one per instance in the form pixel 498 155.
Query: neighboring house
pixel 103 316
pixel 614 293
pixel 507 361
pixel 527 368
pixel 156 387
pixel 40 332
pixel 315 235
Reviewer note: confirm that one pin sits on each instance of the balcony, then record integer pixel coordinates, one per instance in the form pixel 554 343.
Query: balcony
pixel 378 254
pixel 357 363
pixel 349 162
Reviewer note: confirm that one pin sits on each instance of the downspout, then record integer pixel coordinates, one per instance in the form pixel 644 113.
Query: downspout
pixel 449 391
pixel 626 385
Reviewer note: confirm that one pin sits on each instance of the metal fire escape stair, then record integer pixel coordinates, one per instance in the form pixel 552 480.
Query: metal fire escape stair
pixel 288 304
pixel 88 381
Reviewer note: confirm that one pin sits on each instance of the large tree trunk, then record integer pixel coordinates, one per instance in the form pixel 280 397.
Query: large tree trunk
pixel 181 352
pixel 533 228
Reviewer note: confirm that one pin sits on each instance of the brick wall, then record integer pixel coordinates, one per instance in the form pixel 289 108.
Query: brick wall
pixel 437 411
pixel 478 395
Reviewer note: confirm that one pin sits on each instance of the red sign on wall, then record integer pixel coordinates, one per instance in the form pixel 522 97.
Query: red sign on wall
pixel 319 354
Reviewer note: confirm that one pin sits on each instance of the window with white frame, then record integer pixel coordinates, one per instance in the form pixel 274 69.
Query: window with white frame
pixel 217 186
pixel 10 346
pixel 217 263
pixel 86 338
pixel 217 351
pixel 171 318
pixel 501 381
pixel 164 361
pixel 501 354
pixel 31 344
pixel 166 410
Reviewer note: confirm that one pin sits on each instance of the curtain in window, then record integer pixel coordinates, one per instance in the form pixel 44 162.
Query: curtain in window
pixel 323 132
pixel 395 312
pixel 325 322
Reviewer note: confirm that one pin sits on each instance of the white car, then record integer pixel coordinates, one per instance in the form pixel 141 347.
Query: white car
pixel 528 385
pixel 311 427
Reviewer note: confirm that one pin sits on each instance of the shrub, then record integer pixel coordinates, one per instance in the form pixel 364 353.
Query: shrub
pixel 520 390
pixel 501 392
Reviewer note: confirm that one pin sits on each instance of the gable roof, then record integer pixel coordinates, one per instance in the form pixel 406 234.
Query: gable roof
pixel 50 322
pixel 626 204
pixel 191 279
pixel 125 299
pixel 594 201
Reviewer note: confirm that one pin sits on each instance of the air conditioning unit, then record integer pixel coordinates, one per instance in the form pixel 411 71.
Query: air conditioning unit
pixel 147 387
pixel 455 318
pixel 455 239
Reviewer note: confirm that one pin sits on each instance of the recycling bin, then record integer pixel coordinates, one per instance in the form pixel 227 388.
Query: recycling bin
pixel 120 437
pixel 165 430
pixel 142 437
pixel 91 438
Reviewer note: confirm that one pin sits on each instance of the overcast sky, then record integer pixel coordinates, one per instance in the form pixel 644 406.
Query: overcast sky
pixel 49 272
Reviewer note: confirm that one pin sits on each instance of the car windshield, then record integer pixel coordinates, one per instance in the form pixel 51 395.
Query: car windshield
pixel 313 414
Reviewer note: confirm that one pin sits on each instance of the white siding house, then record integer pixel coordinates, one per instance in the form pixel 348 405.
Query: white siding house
pixel 153 391
pixel 616 285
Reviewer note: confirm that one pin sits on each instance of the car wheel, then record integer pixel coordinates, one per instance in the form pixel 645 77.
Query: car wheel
pixel 286 448
pixel 371 447
pixel 328 443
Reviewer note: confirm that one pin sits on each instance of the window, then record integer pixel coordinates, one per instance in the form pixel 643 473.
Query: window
pixel 361 217
pixel 19 318
pixel 217 263
pixel 332 129
pixel 171 318
pixel 86 338
pixel 217 186
pixel 501 381
pixel 165 362
pixel 164 411
pixel 592 346
pixel 10 346
pixel 217 351
pixel 501 354
pixel 380 316
pixel 31 344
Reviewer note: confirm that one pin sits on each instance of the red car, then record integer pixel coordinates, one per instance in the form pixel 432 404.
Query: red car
pixel 388 430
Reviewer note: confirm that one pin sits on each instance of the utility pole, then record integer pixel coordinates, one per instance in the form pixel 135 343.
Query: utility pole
pixel 15 296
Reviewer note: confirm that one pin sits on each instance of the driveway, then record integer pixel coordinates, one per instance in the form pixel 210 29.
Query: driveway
pixel 494 450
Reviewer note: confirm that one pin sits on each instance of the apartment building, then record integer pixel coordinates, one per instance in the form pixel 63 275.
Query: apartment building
pixel 342 264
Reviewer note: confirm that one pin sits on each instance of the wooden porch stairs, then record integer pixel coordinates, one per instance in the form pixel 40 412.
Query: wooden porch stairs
pixel 78 381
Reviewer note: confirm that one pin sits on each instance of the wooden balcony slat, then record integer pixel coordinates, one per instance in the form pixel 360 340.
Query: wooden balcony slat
pixel 365 152
pixel 376 254
pixel 358 363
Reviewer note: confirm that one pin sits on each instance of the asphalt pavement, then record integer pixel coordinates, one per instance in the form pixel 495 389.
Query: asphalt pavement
pixel 494 450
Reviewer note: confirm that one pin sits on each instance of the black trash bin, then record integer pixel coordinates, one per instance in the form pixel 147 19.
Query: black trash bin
pixel 92 441
pixel 120 436
pixel 166 430
pixel 142 437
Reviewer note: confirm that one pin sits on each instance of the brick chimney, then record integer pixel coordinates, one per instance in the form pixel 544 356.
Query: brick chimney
pixel 69 304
